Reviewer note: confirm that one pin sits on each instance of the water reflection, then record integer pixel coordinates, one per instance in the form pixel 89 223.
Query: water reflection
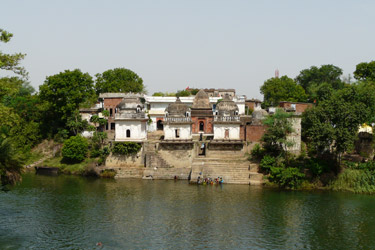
pixel 69 212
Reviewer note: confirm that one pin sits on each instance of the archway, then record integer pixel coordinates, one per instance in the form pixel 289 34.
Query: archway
pixel 201 126
pixel 159 125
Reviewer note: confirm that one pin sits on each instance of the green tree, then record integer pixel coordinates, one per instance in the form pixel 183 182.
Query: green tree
pixel 183 93
pixel 63 94
pixel 365 71
pixel 75 149
pixel 118 80
pixel 331 127
pixel 281 89
pixel 10 157
pixel 279 126
pixel 311 80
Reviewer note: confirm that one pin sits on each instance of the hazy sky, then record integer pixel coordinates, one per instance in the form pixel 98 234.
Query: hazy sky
pixel 173 44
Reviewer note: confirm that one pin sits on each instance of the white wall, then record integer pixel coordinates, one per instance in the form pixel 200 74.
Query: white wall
pixel 169 131
pixel 137 130
pixel 234 131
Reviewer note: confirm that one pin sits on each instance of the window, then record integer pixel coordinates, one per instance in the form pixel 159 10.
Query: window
pixel 106 126
pixel 226 135
pixel 201 126
pixel 177 133
pixel 110 112
pixel 113 126
pixel 128 133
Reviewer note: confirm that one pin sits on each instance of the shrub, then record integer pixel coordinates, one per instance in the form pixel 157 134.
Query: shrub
pixel 286 177
pixel 257 152
pixel 267 163
pixel 108 173
pixel 354 180
pixel 126 148
pixel 75 149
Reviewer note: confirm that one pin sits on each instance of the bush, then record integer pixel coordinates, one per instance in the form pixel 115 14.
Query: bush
pixel 75 149
pixel 257 152
pixel 108 173
pixel 317 166
pixel 354 180
pixel 286 177
pixel 126 148
pixel 267 163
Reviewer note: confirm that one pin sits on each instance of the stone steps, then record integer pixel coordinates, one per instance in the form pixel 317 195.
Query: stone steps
pixel 237 171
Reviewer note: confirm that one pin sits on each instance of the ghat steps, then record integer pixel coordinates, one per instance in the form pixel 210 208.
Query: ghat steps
pixel 232 170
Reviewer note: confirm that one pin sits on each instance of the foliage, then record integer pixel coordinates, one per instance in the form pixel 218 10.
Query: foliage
pixel 63 93
pixel 332 125
pixel 76 124
pixel 75 149
pixel 319 82
pixel 257 152
pixel 158 94
pixel 275 140
pixel 286 177
pixel 10 163
pixel 281 89
pixel 118 80
pixel 126 148
pixel 108 173
pixel 183 93
pixel 267 163
pixel 365 71
pixel 357 181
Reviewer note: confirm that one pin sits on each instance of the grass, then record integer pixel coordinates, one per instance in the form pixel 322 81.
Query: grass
pixel 356 181
pixel 32 157
pixel 77 168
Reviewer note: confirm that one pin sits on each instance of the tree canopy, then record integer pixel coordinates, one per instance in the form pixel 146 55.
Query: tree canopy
pixel 118 80
pixel 319 82
pixel 63 93
pixel 365 71
pixel 281 89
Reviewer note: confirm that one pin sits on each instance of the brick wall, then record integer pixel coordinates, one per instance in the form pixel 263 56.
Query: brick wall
pixel 253 132
pixel 208 125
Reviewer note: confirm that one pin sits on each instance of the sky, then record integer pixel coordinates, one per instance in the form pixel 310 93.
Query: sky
pixel 174 44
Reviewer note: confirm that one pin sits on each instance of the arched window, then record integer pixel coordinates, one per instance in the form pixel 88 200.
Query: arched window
pixel 159 125
pixel 201 126
pixel 128 133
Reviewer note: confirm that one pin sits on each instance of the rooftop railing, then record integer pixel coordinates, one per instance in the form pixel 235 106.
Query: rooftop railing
pixel 141 115
pixel 177 119
pixel 226 118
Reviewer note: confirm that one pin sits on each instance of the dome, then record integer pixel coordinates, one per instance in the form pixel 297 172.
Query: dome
pixel 259 114
pixel 201 100
pixel 130 103
pixel 177 109
pixel 227 106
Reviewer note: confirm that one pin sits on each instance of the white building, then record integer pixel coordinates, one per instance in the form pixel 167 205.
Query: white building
pixel 156 106
pixel 177 121
pixel 131 120
pixel 227 120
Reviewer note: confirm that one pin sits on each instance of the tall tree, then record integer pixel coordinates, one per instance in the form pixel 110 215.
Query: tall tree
pixel 317 80
pixel 10 161
pixel 63 93
pixel 118 80
pixel 281 89
pixel 365 71
pixel 333 124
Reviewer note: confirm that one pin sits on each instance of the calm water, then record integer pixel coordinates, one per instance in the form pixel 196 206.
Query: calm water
pixel 69 212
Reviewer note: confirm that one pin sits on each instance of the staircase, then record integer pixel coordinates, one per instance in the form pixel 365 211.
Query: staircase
pixel 233 170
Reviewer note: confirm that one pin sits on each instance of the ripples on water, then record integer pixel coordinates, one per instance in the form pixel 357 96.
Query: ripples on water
pixel 69 212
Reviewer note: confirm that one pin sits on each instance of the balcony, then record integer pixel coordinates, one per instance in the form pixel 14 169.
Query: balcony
pixel 226 118
pixel 177 119
pixel 141 115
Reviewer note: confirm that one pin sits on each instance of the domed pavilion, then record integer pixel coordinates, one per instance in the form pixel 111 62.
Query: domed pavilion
pixel 202 114
pixel 227 120
pixel 177 121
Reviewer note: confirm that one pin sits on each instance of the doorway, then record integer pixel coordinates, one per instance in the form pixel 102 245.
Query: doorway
pixel 201 126
pixel 159 125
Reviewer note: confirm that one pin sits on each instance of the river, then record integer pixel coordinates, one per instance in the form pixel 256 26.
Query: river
pixel 71 212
